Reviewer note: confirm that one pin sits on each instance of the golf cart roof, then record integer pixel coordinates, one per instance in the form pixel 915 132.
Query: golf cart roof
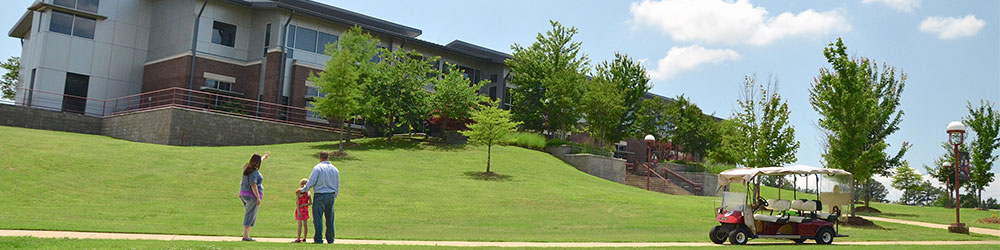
pixel 741 175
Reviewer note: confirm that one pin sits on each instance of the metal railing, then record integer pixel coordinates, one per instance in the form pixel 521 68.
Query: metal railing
pixel 650 170
pixel 695 187
pixel 172 97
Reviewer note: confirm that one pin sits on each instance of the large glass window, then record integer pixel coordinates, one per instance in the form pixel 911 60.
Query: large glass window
pixel 84 5
pixel 224 34
pixel 84 27
pixel 62 22
pixel 290 35
pixel 220 85
pixel 325 39
pixel 305 39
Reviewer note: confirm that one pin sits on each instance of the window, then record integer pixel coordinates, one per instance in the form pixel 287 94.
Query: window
pixel 220 85
pixel 312 116
pixel 493 78
pixel 305 39
pixel 267 37
pixel 493 93
pixel 84 5
pixel 325 39
pixel 313 91
pixel 74 100
pixel 71 24
pixel 290 35
pixel 224 34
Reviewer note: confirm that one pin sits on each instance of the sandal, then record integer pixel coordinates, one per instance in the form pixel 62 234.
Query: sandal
pixel 297 241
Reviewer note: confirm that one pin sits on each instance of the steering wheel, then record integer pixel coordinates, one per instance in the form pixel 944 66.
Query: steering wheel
pixel 761 201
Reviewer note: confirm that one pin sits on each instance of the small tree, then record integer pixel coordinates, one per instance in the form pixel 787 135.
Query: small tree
pixel 727 152
pixel 906 179
pixel 923 195
pixel 873 191
pixel 343 79
pixel 490 127
pixel 986 123
pixel 766 138
pixel 9 81
pixel 454 98
pixel 603 109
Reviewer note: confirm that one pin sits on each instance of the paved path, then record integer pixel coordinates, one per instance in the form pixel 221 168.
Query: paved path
pixel 130 236
pixel 977 230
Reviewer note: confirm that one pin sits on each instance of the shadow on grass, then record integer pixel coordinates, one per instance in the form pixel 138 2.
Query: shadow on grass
pixel 372 144
pixel 490 176
pixel 887 214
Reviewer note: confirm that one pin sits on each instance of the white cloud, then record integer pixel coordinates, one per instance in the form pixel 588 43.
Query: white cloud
pixel 900 5
pixel 687 58
pixel 952 27
pixel 718 21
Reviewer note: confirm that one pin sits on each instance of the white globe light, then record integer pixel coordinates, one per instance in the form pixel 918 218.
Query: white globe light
pixel 650 138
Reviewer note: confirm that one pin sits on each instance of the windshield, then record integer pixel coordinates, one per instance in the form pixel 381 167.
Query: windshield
pixel 732 201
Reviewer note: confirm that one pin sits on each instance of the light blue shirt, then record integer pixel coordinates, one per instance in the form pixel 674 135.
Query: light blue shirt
pixel 325 178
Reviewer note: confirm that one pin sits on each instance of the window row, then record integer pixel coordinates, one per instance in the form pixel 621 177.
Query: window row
pixel 72 24
pixel 84 5
pixel 309 40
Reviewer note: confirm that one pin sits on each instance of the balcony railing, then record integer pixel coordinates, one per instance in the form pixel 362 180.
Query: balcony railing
pixel 171 97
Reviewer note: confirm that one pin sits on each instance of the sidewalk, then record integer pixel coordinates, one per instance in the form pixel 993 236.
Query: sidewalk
pixel 129 236
pixel 977 230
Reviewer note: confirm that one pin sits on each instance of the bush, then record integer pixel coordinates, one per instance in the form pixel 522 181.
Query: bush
pixel 526 140
pixel 556 142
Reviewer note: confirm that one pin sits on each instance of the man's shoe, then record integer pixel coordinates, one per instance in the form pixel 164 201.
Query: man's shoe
pixel 249 239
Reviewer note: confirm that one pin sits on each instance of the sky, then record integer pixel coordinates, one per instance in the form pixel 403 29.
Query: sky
pixel 949 50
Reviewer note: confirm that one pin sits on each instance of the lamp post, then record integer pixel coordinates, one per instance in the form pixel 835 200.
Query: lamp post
pixel 649 139
pixel 956 134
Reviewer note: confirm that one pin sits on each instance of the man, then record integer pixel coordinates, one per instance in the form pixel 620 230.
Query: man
pixel 325 181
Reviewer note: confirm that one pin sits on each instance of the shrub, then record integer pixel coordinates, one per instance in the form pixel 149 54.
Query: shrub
pixel 556 142
pixel 526 140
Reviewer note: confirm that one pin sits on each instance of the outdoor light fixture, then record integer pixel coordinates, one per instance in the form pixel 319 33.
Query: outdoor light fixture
pixel 956 135
pixel 650 139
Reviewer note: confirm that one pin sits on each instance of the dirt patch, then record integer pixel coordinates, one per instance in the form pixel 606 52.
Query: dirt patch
pixel 487 176
pixel 864 209
pixel 990 220
pixel 861 223
pixel 338 154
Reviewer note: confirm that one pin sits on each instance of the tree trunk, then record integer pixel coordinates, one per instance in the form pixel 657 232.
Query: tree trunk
pixel 489 152
pixel 854 198
pixel 979 198
pixel 868 194
pixel 342 131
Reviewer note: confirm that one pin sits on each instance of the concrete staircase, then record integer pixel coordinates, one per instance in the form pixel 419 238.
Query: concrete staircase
pixel 655 184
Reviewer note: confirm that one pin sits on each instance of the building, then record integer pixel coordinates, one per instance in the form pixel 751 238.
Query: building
pixel 79 54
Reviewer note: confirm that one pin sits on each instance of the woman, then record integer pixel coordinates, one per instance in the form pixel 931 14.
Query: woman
pixel 251 192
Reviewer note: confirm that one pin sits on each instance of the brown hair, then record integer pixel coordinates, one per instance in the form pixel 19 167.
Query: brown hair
pixel 253 165
pixel 323 155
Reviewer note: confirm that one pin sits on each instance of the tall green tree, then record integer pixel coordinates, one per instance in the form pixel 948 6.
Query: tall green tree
pixel 690 128
pixel 550 80
pixel 632 82
pixel 603 110
pixel 727 151
pixel 397 97
pixel 455 97
pixel 8 83
pixel 491 125
pixel 858 106
pixel 344 78
pixel 985 121
pixel 651 119
pixel 906 179
pixel 766 138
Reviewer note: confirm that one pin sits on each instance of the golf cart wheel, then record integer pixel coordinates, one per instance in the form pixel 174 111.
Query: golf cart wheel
pixel 824 236
pixel 718 235
pixel 799 241
pixel 739 236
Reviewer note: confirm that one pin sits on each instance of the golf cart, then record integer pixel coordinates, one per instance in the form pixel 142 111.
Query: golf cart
pixel 747 215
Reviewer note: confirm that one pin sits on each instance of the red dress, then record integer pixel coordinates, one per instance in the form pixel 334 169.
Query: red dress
pixel 302 213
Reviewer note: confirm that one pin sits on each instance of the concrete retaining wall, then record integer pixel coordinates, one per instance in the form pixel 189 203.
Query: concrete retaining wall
pixel 25 117
pixel 604 167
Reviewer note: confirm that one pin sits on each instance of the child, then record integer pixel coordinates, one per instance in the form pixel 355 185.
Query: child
pixel 302 212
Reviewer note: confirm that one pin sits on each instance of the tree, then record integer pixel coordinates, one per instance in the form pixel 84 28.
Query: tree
pixel 345 77
pixel 689 127
pixel 923 195
pixel 490 127
pixel 549 79
pixel 906 179
pixel 603 110
pixel 766 138
pixel 397 97
pixel 986 123
pixel 455 97
pixel 857 104
pixel 727 150
pixel 8 83
pixel 872 190
pixel 651 119
pixel 632 82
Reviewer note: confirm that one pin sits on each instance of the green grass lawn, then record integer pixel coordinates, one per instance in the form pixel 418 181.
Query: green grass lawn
pixel 42 243
pixel 938 215
pixel 402 190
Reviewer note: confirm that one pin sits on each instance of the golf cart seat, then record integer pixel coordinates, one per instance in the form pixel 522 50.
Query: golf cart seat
pixel 774 206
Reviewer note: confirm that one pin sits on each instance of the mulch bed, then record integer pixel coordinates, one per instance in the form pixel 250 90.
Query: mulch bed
pixel 861 223
pixel 990 220
pixel 864 209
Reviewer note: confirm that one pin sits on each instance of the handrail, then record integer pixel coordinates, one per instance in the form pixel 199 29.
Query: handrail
pixel 650 170
pixel 694 185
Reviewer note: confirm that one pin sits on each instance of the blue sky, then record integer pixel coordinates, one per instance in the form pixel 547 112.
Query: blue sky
pixel 950 50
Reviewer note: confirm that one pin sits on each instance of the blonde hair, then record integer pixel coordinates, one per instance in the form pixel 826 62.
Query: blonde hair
pixel 303 182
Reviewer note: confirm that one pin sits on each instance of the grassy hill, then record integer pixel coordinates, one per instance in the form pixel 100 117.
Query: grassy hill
pixel 399 190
